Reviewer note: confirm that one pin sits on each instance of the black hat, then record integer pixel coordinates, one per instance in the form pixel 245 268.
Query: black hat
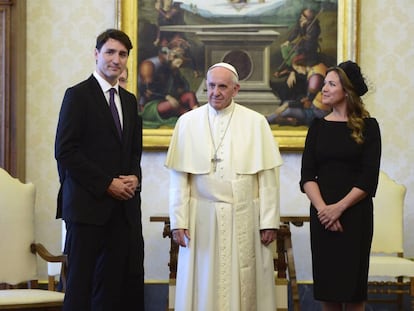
pixel 354 74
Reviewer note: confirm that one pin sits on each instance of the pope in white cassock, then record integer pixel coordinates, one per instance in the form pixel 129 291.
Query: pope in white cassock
pixel 224 202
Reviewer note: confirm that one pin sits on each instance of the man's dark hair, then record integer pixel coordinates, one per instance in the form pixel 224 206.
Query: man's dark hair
pixel 113 34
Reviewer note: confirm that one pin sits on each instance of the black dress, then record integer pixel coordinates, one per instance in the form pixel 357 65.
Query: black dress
pixel 340 260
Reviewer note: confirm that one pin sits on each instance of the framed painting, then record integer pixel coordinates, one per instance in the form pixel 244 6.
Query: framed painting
pixel 281 49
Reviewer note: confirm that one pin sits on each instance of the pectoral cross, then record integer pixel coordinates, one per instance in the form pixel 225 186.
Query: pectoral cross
pixel 214 161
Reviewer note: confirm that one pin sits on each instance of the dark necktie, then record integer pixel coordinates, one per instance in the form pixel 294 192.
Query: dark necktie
pixel 114 111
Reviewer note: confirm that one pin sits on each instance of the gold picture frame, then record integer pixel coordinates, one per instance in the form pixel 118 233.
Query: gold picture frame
pixel 288 140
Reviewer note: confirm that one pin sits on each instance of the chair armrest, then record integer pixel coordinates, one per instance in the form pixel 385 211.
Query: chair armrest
pixel 38 248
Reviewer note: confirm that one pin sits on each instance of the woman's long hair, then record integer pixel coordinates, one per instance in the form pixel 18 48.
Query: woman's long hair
pixel 355 107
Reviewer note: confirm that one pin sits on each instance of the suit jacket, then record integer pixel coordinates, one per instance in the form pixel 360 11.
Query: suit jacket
pixel 90 153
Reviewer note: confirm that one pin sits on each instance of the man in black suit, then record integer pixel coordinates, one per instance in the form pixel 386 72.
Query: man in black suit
pixel 100 176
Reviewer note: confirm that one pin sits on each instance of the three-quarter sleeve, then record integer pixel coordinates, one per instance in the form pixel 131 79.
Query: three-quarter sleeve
pixel 371 156
pixel 309 164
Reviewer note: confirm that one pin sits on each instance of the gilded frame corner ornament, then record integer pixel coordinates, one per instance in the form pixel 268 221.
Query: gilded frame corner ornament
pixel 288 140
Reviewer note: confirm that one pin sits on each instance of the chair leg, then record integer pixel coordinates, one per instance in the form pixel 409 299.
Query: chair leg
pixel 51 283
pixel 292 273
pixel 400 297
pixel 412 293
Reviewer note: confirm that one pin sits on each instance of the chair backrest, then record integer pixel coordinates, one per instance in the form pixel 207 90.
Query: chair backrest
pixel 17 201
pixel 388 216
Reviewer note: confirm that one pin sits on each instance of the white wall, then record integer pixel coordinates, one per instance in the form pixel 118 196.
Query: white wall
pixel 60 44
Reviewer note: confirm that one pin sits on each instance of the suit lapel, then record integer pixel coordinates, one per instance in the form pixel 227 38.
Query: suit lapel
pixel 126 111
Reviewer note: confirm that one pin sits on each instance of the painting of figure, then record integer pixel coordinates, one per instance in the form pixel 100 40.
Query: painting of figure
pixel 282 49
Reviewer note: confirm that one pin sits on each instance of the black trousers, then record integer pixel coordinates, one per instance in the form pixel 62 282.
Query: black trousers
pixel 105 266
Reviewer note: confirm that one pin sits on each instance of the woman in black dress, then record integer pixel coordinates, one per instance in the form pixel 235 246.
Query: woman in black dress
pixel 340 168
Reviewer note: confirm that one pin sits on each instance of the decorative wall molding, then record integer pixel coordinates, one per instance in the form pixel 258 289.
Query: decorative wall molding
pixel 5 8
pixel 13 86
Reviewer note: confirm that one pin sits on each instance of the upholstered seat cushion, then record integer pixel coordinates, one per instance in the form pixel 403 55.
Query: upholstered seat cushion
pixel 28 296
pixel 391 266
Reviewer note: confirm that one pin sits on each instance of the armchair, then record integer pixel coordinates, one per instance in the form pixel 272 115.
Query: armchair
pixel 19 288
pixel 390 273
